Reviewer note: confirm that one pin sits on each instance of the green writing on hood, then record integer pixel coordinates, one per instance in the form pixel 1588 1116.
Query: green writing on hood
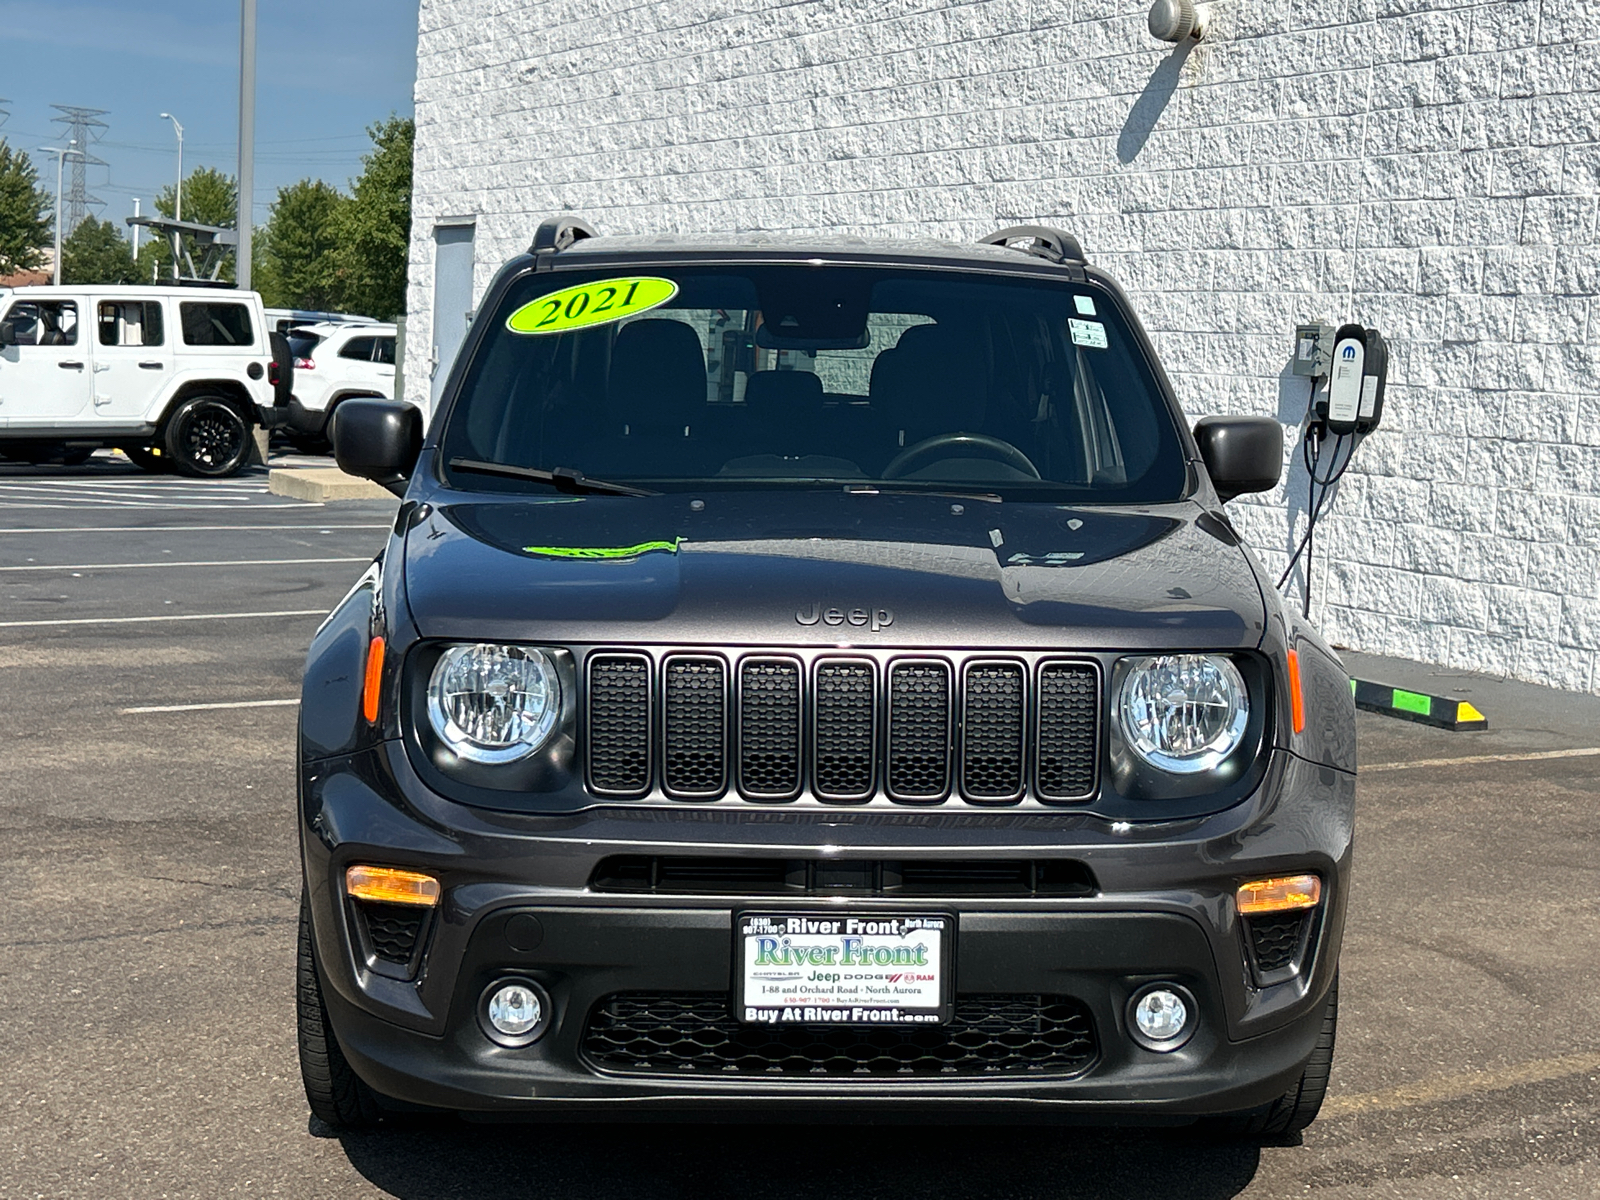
pixel 603 552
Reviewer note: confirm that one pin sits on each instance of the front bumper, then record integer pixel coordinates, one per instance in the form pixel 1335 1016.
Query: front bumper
pixel 1163 913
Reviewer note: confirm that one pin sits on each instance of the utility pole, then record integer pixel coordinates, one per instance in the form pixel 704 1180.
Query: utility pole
pixel 136 228
pixel 177 196
pixel 83 128
pixel 247 137
pixel 61 153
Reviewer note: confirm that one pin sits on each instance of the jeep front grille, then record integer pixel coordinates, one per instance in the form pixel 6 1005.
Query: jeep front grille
pixel 775 726
pixel 694 1033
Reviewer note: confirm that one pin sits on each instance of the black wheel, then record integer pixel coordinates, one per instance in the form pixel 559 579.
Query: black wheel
pixel 208 436
pixel 1298 1107
pixel 334 1091
pixel 148 458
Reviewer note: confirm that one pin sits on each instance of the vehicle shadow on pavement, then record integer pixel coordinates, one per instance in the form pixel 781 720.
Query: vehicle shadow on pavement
pixel 436 1161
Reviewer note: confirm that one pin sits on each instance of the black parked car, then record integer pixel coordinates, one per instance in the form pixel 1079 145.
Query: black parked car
pixel 818 675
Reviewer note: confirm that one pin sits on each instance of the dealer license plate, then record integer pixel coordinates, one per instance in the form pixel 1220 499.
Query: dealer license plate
pixel 828 969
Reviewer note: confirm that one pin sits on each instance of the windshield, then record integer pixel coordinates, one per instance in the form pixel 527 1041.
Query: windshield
pixel 805 376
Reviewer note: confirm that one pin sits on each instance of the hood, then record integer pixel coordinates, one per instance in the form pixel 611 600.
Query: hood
pixel 829 568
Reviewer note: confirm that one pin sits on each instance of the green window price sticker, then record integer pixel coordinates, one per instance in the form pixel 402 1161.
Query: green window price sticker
pixel 589 304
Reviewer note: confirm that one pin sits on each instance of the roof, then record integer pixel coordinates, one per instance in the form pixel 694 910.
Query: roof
pixel 325 329
pixel 569 235
pixel 701 243
pixel 187 291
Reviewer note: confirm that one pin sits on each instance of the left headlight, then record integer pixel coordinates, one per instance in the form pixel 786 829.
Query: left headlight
pixel 494 704
pixel 1183 713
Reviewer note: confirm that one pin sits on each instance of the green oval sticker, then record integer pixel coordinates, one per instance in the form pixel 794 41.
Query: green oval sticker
pixel 591 304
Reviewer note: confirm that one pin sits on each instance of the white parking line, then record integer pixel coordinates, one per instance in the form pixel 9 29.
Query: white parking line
pixel 292 612
pixel 1531 756
pixel 179 528
pixel 121 507
pixel 152 566
pixel 165 708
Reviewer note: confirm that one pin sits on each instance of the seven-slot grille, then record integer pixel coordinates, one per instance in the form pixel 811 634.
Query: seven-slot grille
pixel 771 726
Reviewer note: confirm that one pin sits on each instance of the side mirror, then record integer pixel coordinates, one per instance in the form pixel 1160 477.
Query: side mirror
pixel 378 440
pixel 8 334
pixel 1242 454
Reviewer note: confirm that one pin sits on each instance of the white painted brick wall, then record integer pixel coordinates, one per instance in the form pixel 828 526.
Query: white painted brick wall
pixel 1430 167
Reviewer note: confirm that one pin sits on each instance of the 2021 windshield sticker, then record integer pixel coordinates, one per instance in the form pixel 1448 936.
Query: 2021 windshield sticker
pixel 587 304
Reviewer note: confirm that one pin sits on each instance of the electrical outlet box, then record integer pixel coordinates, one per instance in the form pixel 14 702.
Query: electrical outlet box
pixel 1313 348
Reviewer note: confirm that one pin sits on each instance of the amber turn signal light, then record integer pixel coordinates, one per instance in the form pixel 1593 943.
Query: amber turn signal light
pixel 373 683
pixel 1278 895
pixel 388 885
pixel 1297 700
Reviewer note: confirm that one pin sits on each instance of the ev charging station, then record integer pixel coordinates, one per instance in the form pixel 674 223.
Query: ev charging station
pixel 1353 361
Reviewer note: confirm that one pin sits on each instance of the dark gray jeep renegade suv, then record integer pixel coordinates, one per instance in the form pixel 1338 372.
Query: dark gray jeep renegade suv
pixel 818 677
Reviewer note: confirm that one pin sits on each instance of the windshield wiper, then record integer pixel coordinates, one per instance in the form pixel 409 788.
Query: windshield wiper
pixel 563 479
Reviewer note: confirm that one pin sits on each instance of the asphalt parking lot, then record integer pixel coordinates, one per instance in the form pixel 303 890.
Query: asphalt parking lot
pixel 151 638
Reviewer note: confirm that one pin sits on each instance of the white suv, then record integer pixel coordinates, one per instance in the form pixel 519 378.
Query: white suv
pixel 173 376
pixel 334 361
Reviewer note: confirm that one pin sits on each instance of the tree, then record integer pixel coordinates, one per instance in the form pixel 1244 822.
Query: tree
pixel 374 226
pixel 96 253
pixel 210 197
pixel 294 265
pixel 24 227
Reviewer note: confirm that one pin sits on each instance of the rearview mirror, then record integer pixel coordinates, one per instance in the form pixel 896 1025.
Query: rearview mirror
pixel 8 334
pixel 1241 454
pixel 378 440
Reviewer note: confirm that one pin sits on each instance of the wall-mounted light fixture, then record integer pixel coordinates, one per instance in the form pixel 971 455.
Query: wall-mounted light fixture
pixel 1177 20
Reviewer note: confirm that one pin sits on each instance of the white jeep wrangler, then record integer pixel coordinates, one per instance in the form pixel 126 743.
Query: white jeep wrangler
pixel 173 376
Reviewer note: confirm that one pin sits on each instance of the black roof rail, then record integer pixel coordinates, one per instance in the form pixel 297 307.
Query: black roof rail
pixel 555 234
pixel 1047 243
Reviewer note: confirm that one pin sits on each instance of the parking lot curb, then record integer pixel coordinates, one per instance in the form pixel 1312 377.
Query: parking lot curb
pixel 322 484
pixel 1443 712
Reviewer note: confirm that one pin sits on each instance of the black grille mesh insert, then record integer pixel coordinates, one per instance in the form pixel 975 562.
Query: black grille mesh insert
pixel 846 710
pixel 991 763
pixel 693 1033
pixel 619 723
pixel 1276 939
pixel 695 761
pixel 1069 703
pixel 769 727
pixel 392 929
pixel 919 730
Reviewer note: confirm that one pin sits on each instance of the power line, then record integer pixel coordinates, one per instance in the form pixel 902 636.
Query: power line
pixel 83 126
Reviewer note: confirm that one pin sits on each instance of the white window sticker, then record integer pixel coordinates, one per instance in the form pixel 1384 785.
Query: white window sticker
pixel 1085 305
pixel 1088 333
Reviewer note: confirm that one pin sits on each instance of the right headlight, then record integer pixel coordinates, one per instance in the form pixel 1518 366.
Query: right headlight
pixel 1183 713
pixel 494 704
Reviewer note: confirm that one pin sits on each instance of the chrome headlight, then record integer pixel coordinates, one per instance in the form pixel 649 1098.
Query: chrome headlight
pixel 494 704
pixel 1183 713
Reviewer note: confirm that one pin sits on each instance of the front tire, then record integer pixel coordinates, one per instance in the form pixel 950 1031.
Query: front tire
pixel 209 437
pixel 1298 1107
pixel 336 1094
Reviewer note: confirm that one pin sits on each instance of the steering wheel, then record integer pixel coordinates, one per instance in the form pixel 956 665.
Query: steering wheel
pixel 958 445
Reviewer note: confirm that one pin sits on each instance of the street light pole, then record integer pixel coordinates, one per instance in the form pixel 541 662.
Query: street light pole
pixel 247 138
pixel 61 154
pixel 177 202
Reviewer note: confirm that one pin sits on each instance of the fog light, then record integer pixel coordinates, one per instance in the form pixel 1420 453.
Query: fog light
pixel 1163 1017
pixel 515 1012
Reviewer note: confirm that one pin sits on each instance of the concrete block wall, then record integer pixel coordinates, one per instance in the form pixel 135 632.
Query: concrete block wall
pixel 1430 167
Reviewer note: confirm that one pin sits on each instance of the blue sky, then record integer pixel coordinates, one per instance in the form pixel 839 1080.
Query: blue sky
pixel 325 71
